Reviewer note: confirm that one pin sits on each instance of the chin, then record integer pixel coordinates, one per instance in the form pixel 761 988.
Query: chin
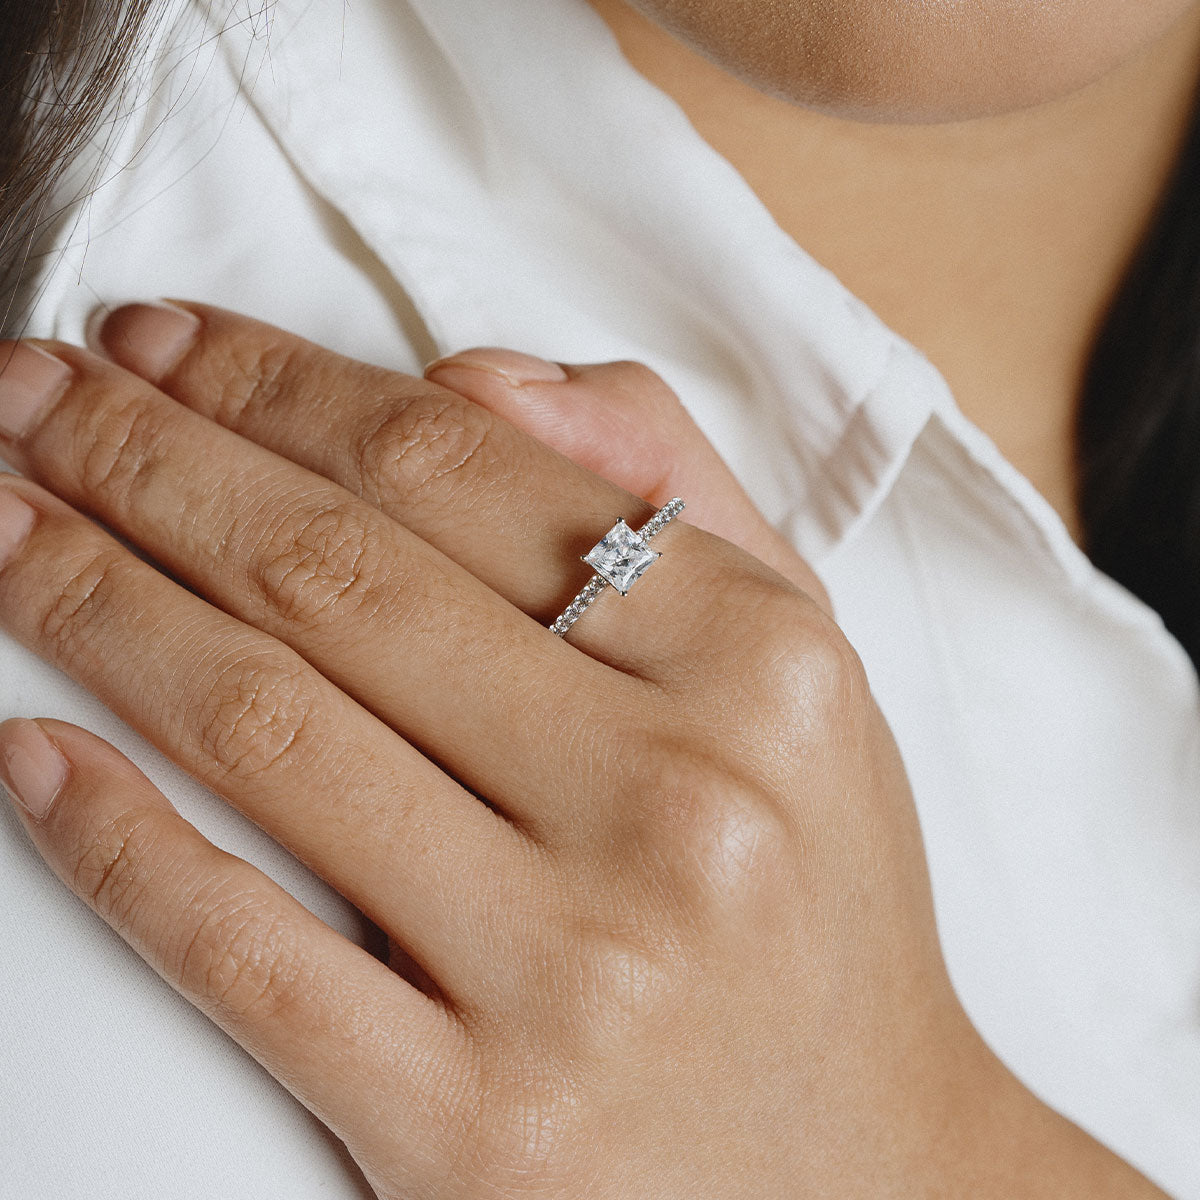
pixel 918 60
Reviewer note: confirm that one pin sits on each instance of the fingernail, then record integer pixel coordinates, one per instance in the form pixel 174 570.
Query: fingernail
pixel 148 339
pixel 30 381
pixel 33 770
pixel 511 366
pixel 16 520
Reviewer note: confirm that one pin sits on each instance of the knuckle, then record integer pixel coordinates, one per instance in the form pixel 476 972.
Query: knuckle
pixel 252 371
pixel 729 845
pixel 430 445
pixel 317 564
pixel 118 447
pixel 802 663
pixel 237 954
pixel 226 944
pixel 626 988
pixel 826 671
pixel 254 714
pixel 109 865
pixel 84 601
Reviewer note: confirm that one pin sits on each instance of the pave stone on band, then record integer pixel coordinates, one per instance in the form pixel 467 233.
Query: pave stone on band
pixel 620 559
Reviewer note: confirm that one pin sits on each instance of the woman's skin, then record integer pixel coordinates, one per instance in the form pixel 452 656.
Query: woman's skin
pixel 656 896
pixel 656 900
pixel 994 244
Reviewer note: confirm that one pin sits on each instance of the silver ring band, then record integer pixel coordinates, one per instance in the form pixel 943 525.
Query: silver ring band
pixel 620 558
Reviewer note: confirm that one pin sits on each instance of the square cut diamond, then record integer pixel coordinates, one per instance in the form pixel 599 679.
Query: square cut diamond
pixel 621 557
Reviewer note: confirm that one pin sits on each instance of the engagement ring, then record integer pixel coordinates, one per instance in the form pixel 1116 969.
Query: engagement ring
pixel 619 559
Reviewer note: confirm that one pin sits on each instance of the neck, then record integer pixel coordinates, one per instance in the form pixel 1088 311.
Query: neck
pixel 994 245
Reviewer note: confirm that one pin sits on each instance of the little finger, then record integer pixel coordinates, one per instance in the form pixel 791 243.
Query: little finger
pixel 335 1026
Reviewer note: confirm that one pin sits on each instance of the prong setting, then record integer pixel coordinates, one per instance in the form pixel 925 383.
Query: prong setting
pixel 619 559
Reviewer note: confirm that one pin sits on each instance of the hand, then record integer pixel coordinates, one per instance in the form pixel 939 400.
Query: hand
pixel 658 910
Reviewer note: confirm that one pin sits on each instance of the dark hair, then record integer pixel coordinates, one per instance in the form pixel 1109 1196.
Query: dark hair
pixel 62 65
pixel 1137 433
pixel 1138 426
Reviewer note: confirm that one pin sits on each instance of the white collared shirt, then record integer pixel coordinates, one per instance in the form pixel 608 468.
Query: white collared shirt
pixel 399 178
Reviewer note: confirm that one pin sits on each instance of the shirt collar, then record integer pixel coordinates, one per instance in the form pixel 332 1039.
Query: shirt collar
pixel 511 169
